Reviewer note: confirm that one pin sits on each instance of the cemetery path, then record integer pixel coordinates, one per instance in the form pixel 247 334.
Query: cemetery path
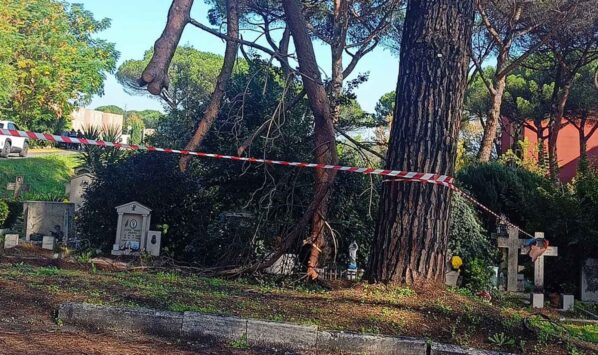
pixel 27 327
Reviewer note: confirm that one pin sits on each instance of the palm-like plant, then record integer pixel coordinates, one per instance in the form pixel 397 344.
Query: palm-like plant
pixel 95 157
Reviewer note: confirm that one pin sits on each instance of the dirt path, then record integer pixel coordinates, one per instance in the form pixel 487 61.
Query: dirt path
pixel 27 327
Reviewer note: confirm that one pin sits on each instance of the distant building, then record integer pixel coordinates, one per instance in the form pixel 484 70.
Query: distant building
pixel 568 143
pixel 83 119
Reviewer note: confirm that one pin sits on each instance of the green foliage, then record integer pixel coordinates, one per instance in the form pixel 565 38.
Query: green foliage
pixel 240 343
pixel 252 206
pixel 50 61
pixel 43 175
pixel 567 215
pixel 135 123
pixel 584 96
pixel 469 240
pixel 152 179
pixel 500 339
pixel 111 109
pixel 477 275
pixel 150 118
pixel 477 99
pixel 3 212
pixel 192 75
pixel 96 157
pixel 384 109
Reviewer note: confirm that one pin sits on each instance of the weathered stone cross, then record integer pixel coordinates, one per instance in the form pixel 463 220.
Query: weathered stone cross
pixel 18 186
pixel 513 244
pixel 539 263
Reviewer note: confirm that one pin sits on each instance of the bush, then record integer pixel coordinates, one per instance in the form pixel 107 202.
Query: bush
pixel 477 275
pixel 471 242
pixel 15 210
pixel 178 200
pixel 568 215
pixel 3 212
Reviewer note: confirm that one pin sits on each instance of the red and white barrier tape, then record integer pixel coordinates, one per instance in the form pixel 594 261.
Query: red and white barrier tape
pixel 398 175
pixel 443 180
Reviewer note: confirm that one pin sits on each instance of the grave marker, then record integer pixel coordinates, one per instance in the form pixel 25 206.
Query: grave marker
pixel 48 243
pixel 589 281
pixel 11 241
pixel 132 228
pixel 49 218
pixel 539 263
pixel 152 246
pixel 512 243
pixel 75 189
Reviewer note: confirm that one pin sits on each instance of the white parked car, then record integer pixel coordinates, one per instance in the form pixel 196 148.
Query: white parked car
pixel 10 144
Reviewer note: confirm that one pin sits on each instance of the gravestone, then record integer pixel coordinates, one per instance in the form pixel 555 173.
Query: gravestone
pixel 48 243
pixel 152 246
pixel 539 263
pixel 76 188
pixel 11 241
pixel 589 281
pixel 508 238
pixel 131 229
pixel 55 219
pixel 567 302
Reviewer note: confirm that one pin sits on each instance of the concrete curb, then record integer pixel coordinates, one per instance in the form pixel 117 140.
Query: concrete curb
pixel 257 332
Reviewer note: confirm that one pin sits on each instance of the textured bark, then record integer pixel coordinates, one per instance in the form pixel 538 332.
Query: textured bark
pixel 211 112
pixel 324 138
pixel 503 35
pixel 155 75
pixel 559 100
pixel 339 40
pixel 489 135
pixel 413 221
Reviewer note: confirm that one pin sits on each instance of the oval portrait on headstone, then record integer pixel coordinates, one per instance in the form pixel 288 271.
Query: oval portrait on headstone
pixel 133 223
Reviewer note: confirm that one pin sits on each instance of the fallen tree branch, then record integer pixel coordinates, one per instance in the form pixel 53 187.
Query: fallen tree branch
pixel 155 75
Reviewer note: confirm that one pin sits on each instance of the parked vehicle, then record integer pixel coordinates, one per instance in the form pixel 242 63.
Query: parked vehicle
pixel 10 144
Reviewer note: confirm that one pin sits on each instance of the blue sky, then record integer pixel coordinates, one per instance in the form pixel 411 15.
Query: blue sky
pixel 136 24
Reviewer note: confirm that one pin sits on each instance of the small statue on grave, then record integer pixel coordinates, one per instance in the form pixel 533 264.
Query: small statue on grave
pixel 353 256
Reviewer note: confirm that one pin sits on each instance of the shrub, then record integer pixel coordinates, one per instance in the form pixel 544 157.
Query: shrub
pixel 177 200
pixel 3 212
pixel 568 215
pixel 15 210
pixel 477 276
pixel 471 242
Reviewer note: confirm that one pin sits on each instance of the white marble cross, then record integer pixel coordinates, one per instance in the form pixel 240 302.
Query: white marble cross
pixel 539 263
pixel 513 244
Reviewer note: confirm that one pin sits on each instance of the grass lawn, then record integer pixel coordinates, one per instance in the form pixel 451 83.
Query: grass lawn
pixel 45 175
pixel 447 316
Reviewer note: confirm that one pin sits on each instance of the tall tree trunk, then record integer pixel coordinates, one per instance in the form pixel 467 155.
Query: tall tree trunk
pixel 583 143
pixel 540 141
pixel 556 123
pixel 339 39
pixel 413 223
pixel 211 112
pixel 324 138
pixel 492 122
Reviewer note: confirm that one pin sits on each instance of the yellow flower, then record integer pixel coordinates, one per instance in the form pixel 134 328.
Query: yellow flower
pixel 456 262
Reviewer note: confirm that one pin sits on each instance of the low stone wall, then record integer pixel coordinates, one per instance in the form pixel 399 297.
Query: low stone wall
pixel 259 333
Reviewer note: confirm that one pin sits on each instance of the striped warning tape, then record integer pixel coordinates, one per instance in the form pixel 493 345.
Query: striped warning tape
pixel 443 180
pixel 397 175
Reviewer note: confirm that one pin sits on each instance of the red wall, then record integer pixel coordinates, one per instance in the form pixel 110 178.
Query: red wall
pixel 567 146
